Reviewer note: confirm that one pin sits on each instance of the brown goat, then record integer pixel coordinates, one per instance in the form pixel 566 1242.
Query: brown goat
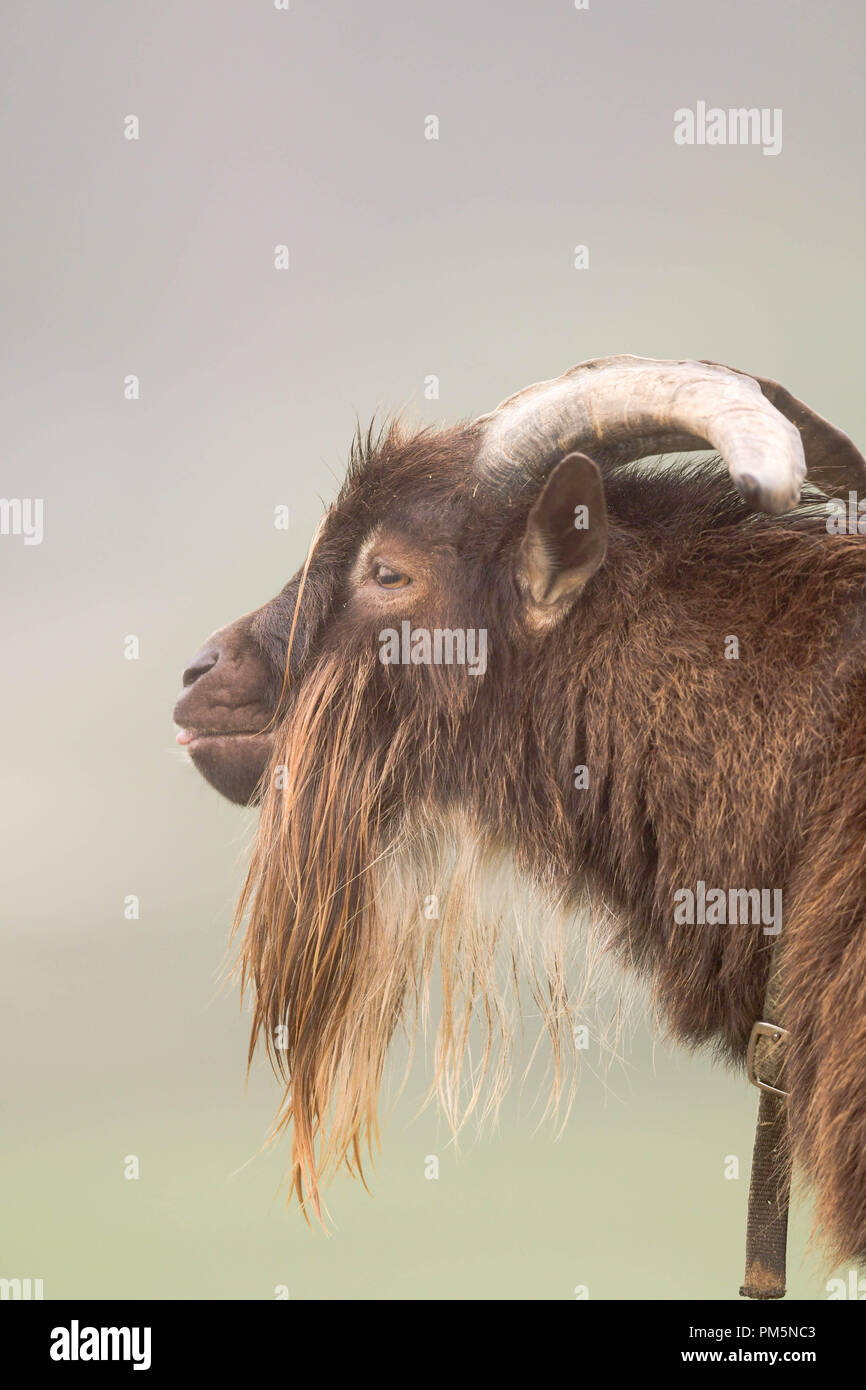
pixel 702 662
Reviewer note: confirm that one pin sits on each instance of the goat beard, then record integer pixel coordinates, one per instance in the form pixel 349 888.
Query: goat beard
pixel 340 940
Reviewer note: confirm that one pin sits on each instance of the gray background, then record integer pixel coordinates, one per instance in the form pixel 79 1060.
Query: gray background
pixel 408 257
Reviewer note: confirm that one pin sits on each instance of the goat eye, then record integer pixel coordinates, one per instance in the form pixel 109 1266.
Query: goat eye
pixel 391 579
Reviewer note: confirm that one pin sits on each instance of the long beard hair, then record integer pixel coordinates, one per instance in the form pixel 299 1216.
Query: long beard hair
pixel 364 884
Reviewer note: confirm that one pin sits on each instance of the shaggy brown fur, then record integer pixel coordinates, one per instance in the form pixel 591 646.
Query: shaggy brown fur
pixel 738 773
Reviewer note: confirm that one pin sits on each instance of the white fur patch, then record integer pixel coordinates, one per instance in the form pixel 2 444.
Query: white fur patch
pixel 504 954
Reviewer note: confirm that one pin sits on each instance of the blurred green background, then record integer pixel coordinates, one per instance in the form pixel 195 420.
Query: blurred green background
pixel 409 258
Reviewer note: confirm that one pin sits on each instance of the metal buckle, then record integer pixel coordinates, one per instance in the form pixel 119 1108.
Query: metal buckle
pixel 776 1035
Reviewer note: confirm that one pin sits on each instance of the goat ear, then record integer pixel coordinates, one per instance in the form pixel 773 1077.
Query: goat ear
pixel 566 536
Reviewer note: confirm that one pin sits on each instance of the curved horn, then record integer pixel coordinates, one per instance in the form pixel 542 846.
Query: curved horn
pixel 628 407
pixel 833 461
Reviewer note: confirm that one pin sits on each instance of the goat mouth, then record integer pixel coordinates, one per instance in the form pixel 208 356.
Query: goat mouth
pixel 190 738
pixel 233 761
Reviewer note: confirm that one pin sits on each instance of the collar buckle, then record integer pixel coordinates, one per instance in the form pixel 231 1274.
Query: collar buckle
pixel 775 1034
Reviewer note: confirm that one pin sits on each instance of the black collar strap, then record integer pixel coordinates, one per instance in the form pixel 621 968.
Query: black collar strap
pixel 769 1190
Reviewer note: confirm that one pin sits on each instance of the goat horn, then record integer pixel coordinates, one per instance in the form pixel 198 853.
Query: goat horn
pixel 629 407
pixel 833 461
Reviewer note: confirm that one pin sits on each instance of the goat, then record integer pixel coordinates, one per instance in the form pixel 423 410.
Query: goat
pixel 696 651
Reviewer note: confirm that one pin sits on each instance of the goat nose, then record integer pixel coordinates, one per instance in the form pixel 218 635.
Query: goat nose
pixel 201 663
